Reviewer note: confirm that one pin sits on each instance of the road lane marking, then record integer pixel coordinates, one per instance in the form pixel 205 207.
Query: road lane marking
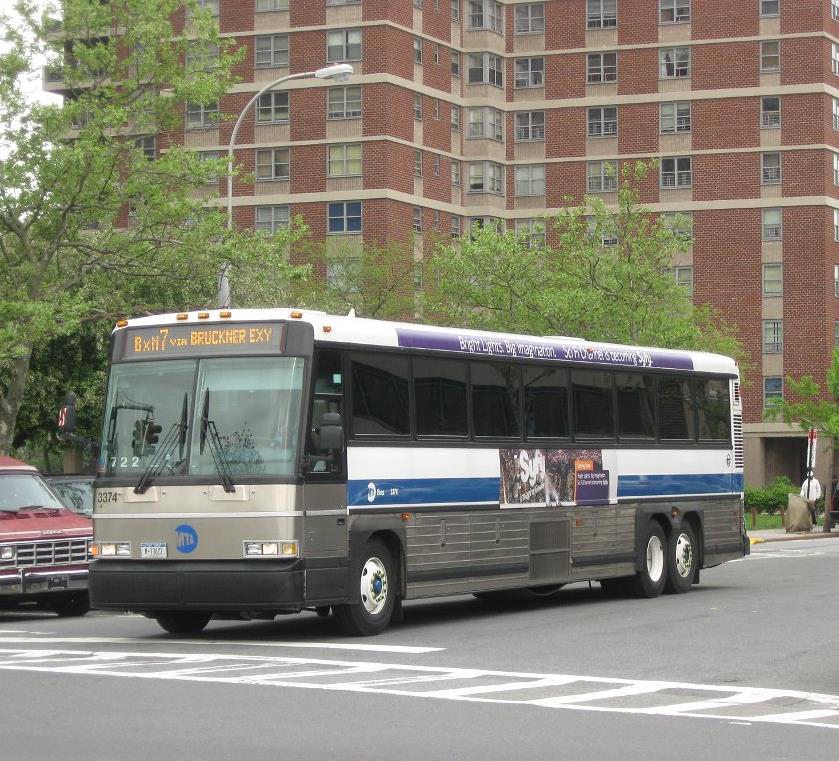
pixel 361 647
pixel 572 692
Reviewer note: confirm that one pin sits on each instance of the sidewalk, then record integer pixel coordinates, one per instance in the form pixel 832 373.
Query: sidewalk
pixel 779 535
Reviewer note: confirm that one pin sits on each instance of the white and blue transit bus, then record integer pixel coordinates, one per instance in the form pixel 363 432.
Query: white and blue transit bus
pixel 265 461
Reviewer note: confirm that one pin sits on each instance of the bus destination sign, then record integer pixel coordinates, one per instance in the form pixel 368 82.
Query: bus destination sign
pixel 205 340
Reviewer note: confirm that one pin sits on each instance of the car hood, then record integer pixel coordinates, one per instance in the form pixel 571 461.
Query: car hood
pixel 28 525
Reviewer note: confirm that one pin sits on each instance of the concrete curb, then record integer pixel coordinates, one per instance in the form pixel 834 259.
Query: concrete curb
pixel 791 537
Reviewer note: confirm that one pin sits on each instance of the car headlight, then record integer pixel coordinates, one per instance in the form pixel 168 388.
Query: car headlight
pixel 272 548
pixel 7 553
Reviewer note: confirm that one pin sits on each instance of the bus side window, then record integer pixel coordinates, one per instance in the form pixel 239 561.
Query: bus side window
pixel 327 397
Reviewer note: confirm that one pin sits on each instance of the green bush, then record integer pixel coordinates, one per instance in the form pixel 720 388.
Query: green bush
pixel 771 497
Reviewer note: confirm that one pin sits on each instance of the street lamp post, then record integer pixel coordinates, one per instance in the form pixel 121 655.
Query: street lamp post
pixel 338 72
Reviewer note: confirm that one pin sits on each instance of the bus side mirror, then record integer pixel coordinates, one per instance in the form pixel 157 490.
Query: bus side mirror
pixel 67 414
pixel 332 432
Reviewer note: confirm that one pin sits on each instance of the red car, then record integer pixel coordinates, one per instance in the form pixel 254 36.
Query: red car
pixel 44 547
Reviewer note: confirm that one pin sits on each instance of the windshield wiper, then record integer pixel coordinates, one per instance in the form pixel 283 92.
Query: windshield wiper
pixel 176 434
pixel 216 449
pixel 30 507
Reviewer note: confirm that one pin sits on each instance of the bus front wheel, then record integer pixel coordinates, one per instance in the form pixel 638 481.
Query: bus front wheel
pixel 652 563
pixel 183 622
pixel 375 574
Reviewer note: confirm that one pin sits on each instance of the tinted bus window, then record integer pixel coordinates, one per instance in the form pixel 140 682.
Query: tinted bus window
pixel 713 409
pixel 380 395
pixel 636 405
pixel 495 399
pixel 546 402
pixel 440 397
pixel 675 409
pixel 592 394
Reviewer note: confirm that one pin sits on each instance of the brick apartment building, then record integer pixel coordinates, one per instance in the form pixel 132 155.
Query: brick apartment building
pixel 465 110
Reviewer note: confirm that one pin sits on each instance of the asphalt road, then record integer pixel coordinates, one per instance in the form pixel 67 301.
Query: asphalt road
pixel 741 667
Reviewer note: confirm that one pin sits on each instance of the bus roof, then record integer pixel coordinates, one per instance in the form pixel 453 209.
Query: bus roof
pixel 368 332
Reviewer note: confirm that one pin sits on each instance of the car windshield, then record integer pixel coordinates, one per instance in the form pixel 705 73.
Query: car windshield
pixel 75 494
pixel 251 405
pixel 19 490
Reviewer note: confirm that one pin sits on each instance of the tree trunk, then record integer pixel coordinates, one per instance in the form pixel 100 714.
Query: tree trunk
pixel 12 398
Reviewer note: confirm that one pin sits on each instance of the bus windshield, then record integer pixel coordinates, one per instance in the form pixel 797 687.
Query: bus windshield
pixel 254 403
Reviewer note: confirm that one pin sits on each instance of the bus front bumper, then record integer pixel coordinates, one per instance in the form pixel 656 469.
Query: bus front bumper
pixel 217 585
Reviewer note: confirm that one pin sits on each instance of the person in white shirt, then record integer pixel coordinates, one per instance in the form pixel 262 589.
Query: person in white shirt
pixel 811 490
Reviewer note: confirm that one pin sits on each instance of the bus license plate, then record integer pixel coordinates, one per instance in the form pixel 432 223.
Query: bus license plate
pixel 153 551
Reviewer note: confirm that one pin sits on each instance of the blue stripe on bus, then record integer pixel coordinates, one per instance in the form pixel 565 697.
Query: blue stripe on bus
pixel 421 491
pixel 679 483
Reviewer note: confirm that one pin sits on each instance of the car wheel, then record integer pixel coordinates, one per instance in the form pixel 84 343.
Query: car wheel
pixel 70 607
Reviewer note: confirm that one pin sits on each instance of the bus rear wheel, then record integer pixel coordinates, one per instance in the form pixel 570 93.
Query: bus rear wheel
pixel 375 574
pixel 652 563
pixel 682 559
pixel 183 622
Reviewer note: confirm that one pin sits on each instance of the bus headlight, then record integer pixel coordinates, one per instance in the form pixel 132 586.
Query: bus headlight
pixel 7 553
pixel 112 549
pixel 269 549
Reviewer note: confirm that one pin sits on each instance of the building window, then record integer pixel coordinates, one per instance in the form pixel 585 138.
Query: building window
pixel 436 111
pixel 530 18
pixel 200 116
pixel 456 226
pixel 417 50
pixel 344 159
pixel 417 106
pixel 344 217
pixel 530 125
pixel 456 118
pixel 772 224
pixel 263 6
pixel 417 163
pixel 836 225
pixel 771 168
pixel 344 102
pixel 455 64
pixel 836 328
pixel 773 336
pixel 676 172
pixel 455 172
pixel 272 164
pixel 271 219
pixel 680 224
pixel 835 58
pixel 211 6
pixel 602 14
pixel 533 231
pixel 146 146
pixel 201 57
pixel 486 123
pixel 834 9
pixel 836 112
pixel 773 388
pixel 770 112
pixel 603 121
pixel 602 67
pixel 486 14
pixel 343 45
pixel 836 169
pixel 456 11
pixel 486 68
pixel 530 72
pixel 212 178
pixel 486 177
pixel 338 2
pixel 773 279
pixel 530 180
pixel 417 219
pixel 601 177
pixel 272 107
pixel 770 56
pixel 673 11
pixel 684 279
pixel 836 280
pixel 770 7
pixel 491 223
pixel 674 63
pixel 271 50
pixel 436 50
pixel 436 164
pixel 675 117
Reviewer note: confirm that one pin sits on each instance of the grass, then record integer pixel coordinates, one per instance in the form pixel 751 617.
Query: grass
pixel 764 520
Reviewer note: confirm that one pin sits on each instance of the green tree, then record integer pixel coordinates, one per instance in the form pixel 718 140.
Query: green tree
pixel 608 277
pixel 90 227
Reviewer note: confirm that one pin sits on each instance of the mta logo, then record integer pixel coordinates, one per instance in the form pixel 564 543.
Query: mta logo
pixel 187 538
pixel 371 492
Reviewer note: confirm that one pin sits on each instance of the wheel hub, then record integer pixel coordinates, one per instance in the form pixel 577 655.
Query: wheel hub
pixel 684 555
pixel 374 586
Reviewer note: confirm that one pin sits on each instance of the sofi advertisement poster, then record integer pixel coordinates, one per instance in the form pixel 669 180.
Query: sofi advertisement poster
pixel 553 477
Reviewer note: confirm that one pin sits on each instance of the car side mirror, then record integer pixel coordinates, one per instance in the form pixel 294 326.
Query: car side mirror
pixel 332 432
pixel 67 414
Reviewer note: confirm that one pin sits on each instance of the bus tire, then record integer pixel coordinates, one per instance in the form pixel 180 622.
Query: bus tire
pixel 375 573
pixel 682 557
pixel 652 563
pixel 183 621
